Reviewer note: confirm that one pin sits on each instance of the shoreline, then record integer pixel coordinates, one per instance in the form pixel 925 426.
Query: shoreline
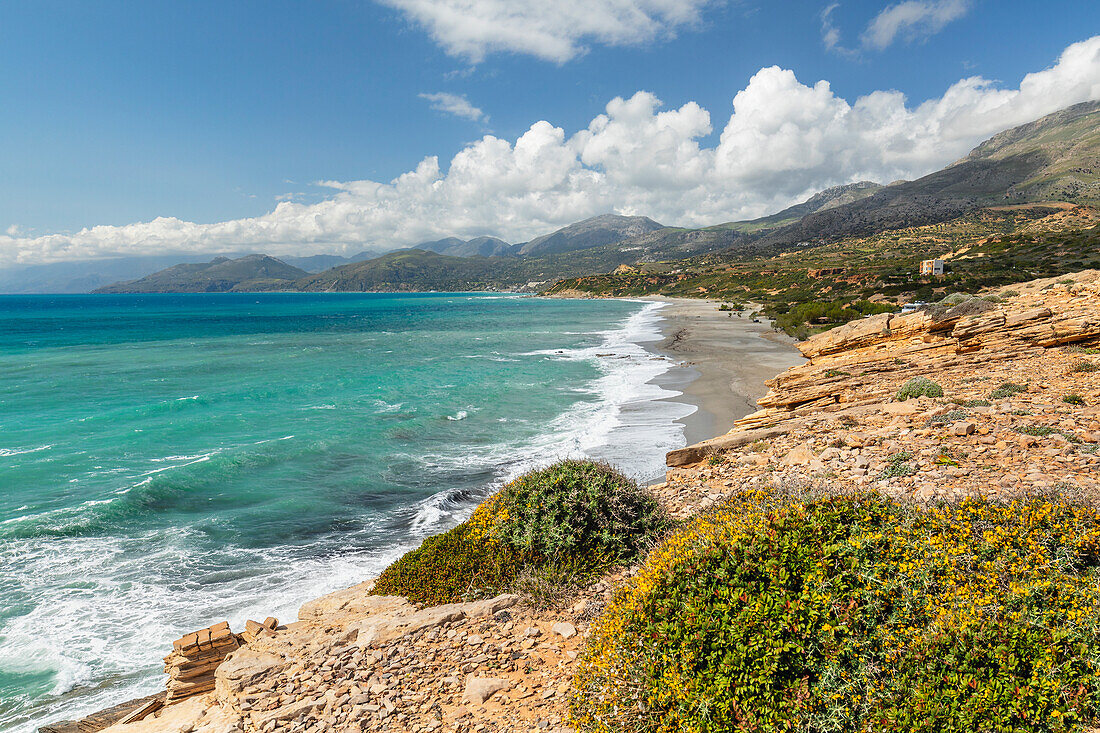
pixel 721 363
pixel 711 367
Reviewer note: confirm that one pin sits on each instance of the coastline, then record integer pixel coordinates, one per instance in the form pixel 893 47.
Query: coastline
pixel 722 363
pixel 710 364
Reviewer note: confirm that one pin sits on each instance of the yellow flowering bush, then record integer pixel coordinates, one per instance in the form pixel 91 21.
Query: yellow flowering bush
pixel 854 614
pixel 576 516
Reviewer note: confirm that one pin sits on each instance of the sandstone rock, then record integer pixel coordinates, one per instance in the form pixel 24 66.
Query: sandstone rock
pixel 480 689
pixel 564 629
pixel 354 600
pixel 799 456
pixel 963 428
pixel 246 668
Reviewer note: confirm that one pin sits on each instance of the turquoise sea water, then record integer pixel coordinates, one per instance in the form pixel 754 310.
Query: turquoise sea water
pixel 170 461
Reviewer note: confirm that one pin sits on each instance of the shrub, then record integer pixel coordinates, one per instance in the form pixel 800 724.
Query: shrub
pixel 854 614
pixel 976 403
pixel 1007 389
pixel 1038 431
pixel 951 416
pixel 1073 399
pixel 576 507
pixel 918 387
pixel 899 466
pixel 1084 366
pixel 569 520
pixel 457 565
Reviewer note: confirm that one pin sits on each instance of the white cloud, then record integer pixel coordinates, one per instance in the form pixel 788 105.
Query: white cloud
pixel 455 104
pixel 783 141
pixel 554 31
pixel 830 35
pixel 913 19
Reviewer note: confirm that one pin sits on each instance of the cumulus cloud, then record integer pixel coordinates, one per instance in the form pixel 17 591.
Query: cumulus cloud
pixel 783 141
pixel 912 19
pixel 455 104
pixel 554 31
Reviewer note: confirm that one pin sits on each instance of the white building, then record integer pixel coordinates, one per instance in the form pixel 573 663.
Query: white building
pixel 931 267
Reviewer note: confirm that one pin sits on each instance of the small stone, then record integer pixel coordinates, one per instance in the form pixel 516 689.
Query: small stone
pixel 564 629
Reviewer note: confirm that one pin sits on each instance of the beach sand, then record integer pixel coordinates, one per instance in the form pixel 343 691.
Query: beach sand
pixel 724 362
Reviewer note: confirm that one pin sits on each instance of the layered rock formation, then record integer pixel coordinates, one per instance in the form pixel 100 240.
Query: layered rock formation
pixel 194 658
pixel 848 364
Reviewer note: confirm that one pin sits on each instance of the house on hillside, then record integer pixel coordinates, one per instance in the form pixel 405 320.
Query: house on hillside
pixel 931 267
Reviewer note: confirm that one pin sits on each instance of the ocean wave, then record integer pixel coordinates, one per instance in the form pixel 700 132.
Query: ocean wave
pixel 7 452
pixel 621 417
pixel 460 415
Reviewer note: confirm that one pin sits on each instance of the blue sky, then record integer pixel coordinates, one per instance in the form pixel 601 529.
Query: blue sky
pixel 116 113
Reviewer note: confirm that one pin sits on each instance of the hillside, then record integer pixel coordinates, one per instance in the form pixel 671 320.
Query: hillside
pixel 1053 158
pixel 830 198
pixel 409 270
pixel 476 247
pixel 595 232
pixel 810 288
pixel 249 273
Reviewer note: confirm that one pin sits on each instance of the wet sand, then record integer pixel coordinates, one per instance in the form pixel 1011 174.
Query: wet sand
pixel 723 362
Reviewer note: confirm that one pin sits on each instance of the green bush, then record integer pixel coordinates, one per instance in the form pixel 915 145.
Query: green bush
pixel 1007 389
pixel 571 519
pixel 1085 366
pixel 854 614
pixel 577 508
pixel 1073 399
pixel 918 387
pixel 453 566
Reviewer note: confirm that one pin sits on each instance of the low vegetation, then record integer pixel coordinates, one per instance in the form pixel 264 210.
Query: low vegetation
pixel 781 612
pixel 572 519
pixel 820 284
pixel 918 387
pixel 1007 389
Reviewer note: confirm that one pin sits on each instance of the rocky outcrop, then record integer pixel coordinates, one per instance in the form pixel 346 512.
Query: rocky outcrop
pixel 355 661
pixel 847 365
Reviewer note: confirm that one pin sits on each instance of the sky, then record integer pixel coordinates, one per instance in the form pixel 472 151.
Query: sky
pixel 333 126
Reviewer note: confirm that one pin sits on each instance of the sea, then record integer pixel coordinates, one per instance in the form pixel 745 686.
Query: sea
pixel 170 461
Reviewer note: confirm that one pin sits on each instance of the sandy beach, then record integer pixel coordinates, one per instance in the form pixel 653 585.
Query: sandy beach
pixel 724 361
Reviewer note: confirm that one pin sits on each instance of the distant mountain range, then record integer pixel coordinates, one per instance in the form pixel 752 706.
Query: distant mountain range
pixel 220 275
pixel 1056 158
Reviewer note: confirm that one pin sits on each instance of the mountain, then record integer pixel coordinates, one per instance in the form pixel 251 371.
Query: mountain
pixel 84 276
pixel 830 198
pixel 220 275
pixel 1054 158
pixel 410 270
pixel 318 263
pixel 594 232
pixel 477 247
